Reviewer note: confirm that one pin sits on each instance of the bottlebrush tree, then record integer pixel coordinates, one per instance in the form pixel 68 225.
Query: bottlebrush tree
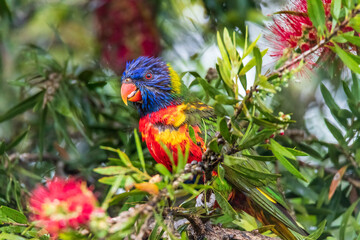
pixel 73 165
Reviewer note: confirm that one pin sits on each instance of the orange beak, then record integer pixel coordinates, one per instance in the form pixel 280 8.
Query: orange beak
pixel 129 92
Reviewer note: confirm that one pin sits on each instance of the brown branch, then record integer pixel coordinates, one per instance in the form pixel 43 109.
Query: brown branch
pixel 15 224
pixel 195 221
pixel 32 157
pixel 220 233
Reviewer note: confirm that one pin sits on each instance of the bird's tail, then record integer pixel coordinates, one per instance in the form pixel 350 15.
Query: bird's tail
pixel 240 202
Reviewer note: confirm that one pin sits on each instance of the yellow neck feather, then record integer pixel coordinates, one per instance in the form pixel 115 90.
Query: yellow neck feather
pixel 175 80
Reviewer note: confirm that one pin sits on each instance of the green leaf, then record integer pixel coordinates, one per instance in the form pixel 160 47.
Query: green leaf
pixel 42 126
pixel 108 180
pixel 316 235
pixel 347 91
pixel 248 170
pixel 230 47
pixel 355 23
pixel 345 219
pixel 258 59
pixel 352 39
pixel 330 102
pixel 22 107
pixel 139 150
pixel 260 158
pixel 192 134
pixel 279 152
pixel 349 3
pixel 213 92
pixel 2 147
pixel 335 8
pixel 123 196
pixel 347 58
pixel 251 63
pixel 336 133
pixel 296 152
pixel 7 236
pixel 112 170
pixel 182 158
pixel 317 14
pixel 155 233
pixel 225 205
pixel 163 170
pixel 251 47
pixel 256 139
pixel 282 150
pixel 14 215
pixel 355 88
pixel 213 145
pixel 344 113
pixel 4 10
pixel 224 130
pixel 223 51
pixel 17 140
pixel 226 100
pixel 264 123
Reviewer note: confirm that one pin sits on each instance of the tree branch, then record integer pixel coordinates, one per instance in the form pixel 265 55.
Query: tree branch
pixel 219 233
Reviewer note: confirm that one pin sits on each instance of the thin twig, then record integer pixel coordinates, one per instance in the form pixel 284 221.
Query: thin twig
pixel 32 157
pixel 194 220
pixel 15 224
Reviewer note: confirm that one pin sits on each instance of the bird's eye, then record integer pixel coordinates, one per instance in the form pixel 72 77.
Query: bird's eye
pixel 148 76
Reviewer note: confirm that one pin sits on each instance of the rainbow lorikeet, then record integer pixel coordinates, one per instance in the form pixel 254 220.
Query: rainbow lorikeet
pixel 157 92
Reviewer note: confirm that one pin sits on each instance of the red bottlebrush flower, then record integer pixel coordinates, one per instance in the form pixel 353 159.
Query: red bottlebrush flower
pixel 126 30
pixel 62 204
pixel 293 30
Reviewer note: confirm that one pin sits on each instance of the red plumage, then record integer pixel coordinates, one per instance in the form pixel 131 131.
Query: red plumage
pixel 169 126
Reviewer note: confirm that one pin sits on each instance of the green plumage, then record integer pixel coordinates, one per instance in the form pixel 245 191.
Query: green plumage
pixel 254 180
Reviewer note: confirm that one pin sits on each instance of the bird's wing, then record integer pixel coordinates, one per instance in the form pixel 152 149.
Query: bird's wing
pixel 264 197
pixel 202 116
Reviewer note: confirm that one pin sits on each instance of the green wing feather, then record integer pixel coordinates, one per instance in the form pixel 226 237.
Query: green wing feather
pixel 203 116
pixel 262 195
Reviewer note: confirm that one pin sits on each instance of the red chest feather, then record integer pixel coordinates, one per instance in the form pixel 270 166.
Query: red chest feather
pixel 168 126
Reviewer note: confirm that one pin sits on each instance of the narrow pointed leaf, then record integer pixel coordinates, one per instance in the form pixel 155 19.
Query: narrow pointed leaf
pixel 139 150
pixel 345 219
pixel 317 14
pixel 336 133
pixel 279 153
pixel 282 150
pixel 21 107
pixel 336 180
pixel 336 8
pixel 347 58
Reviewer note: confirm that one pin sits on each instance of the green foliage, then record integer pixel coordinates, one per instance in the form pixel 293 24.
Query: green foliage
pixel 62 115
pixel 317 14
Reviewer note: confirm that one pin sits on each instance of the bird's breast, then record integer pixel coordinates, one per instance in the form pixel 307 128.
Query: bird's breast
pixel 162 133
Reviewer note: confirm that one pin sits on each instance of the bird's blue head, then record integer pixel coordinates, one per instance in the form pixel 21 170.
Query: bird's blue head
pixel 151 84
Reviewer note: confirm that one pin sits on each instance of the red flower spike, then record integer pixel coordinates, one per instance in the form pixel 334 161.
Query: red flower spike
pixel 293 32
pixel 62 204
pixel 126 30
